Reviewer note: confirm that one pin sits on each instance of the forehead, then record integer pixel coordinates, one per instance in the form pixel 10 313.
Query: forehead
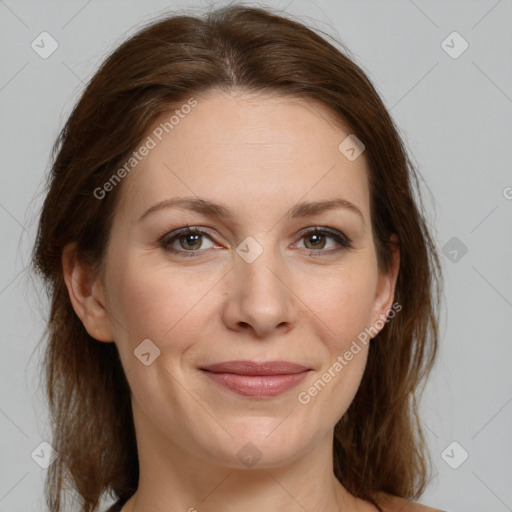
pixel 262 125
pixel 247 147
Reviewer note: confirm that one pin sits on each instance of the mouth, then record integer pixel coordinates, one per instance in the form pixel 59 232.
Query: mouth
pixel 248 378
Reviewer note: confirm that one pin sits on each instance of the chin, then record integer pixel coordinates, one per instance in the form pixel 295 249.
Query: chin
pixel 268 443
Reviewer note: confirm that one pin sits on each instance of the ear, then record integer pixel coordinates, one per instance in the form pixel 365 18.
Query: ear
pixel 86 293
pixel 386 287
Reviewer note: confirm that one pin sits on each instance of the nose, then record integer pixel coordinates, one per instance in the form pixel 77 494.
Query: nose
pixel 259 298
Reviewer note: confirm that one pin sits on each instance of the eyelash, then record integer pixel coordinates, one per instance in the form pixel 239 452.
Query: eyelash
pixel 168 238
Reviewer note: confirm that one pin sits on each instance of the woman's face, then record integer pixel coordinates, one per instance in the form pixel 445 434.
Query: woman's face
pixel 248 284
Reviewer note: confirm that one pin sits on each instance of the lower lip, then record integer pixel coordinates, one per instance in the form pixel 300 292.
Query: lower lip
pixel 257 385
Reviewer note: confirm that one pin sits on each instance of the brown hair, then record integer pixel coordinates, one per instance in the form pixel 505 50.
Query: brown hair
pixel 379 444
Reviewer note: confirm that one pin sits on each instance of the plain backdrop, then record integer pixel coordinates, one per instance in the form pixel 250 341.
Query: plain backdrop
pixel 453 106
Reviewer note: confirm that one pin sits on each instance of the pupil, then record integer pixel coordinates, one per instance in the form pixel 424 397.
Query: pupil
pixel 191 240
pixel 316 237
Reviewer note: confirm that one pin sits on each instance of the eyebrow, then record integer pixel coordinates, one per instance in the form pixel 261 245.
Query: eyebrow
pixel 209 208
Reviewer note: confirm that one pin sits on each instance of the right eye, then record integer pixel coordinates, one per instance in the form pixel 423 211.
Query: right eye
pixel 185 240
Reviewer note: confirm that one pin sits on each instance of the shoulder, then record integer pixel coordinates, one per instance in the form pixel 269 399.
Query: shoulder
pixel 390 503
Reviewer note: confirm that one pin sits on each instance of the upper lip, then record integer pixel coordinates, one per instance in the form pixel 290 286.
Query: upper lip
pixel 254 368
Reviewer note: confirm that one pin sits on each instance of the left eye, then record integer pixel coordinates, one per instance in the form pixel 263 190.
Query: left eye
pixel 316 240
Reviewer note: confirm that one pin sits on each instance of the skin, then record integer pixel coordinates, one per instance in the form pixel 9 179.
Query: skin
pixel 258 155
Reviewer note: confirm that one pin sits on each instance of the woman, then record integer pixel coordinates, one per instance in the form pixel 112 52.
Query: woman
pixel 243 288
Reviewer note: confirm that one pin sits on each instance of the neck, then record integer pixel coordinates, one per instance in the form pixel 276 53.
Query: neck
pixel 172 478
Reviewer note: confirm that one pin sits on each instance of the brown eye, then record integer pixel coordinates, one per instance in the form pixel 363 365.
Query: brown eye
pixel 324 241
pixel 316 240
pixel 187 242
pixel 190 241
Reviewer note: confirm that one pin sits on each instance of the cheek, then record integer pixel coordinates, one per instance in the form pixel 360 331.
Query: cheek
pixel 343 301
pixel 155 302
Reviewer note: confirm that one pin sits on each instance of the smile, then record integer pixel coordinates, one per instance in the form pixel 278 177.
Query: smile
pixel 251 379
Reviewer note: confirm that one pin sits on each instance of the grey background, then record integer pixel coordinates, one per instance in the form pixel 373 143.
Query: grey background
pixel 456 117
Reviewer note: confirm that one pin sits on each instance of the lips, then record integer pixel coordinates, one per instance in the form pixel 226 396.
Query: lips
pixel 253 368
pixel 248 378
